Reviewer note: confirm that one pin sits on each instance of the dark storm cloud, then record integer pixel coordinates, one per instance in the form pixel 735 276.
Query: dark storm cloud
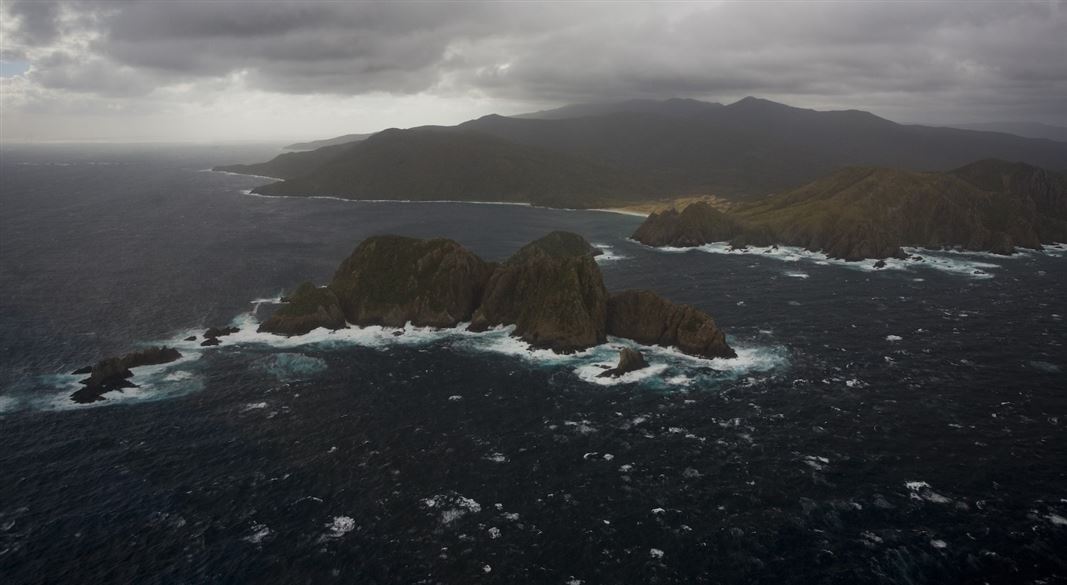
pixel 1007 55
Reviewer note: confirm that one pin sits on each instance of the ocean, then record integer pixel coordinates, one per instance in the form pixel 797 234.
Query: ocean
pixel 896 425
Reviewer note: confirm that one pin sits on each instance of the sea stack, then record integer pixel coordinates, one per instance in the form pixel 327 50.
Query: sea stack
pixel 553 293
pixel 393 280
pixel 647 318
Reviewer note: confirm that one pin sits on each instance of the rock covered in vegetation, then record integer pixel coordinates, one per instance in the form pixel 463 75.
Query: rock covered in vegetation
pixel 307 308
pixel 551 290
pixel 647 318
pixel 695 225
pixel 391 280
pixel 553 293
pixel 863 212
pixel 630 360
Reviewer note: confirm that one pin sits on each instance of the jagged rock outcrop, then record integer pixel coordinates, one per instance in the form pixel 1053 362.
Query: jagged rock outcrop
pixel 551 290
pixel 630 360
pixel 114 373
pixel 647 318
pixel 215 332
pixel 307 308
pixel 391 280
pixel 212 335
pixel 553 293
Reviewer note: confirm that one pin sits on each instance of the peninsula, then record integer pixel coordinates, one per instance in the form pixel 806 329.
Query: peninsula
pixel 864 212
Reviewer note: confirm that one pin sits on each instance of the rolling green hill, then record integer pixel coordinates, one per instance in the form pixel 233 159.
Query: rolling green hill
pixel 867 212
pixel 433 164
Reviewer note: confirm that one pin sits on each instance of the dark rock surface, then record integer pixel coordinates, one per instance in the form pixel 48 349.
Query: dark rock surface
pixel 630 360
pixel 647 318
pixel 552 291
pixel 215 332
pixel 307 308
pixel 114 373
pixel 391 280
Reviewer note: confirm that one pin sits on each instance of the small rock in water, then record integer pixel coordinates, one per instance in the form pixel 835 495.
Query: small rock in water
pixel 629 361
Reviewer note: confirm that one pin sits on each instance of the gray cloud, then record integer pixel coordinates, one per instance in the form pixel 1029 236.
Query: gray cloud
pixel 913 59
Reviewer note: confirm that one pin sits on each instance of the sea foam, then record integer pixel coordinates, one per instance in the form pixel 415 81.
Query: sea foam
pixel 959 262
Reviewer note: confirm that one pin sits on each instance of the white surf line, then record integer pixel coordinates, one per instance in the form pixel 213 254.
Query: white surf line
pixel 249 193
pixel 930 258
pixel 620 212
pixel 240 174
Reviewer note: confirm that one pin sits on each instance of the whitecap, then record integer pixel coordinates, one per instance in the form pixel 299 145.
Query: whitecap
pixel 607 254
pixel 8 403
pixel 920 490
pixel 259 532
pixel 340 526
pixel 452 506
pixel 290 366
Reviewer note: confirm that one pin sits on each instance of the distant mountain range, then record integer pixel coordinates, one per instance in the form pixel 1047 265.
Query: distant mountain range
pixel 597 154
pixel 327 142
pixel 433 164
pixel 1026 129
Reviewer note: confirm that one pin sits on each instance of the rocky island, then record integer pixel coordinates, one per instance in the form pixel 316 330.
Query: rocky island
pixel 113 373
pixel 551 291
pixel 864 212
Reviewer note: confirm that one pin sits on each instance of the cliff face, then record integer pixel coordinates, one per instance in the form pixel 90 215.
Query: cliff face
pixel 390 280
pixel 308 308
pixel 860 213
pixel 553 293
pixel 647 318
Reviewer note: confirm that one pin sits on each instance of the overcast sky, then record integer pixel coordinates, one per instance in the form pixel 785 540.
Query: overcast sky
pixel 248 70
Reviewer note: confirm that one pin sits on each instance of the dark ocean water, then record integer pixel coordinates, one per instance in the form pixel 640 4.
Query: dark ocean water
pixel 898 426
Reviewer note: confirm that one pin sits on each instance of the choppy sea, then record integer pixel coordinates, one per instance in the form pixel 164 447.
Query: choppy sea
pixel 897 425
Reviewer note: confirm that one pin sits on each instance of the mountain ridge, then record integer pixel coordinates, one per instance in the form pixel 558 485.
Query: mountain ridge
pixel 747 149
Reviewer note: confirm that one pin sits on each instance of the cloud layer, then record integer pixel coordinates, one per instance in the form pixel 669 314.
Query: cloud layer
pixel 938 62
